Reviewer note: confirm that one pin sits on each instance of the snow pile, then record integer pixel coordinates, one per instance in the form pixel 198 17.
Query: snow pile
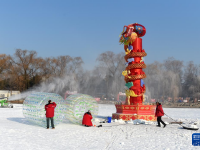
pixel 96 120
pixel 120 121
pixel 141 121
pixel 130 121
pixel 135 122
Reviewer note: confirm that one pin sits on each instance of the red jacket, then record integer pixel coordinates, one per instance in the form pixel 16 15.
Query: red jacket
pixel 159 111
pixel 87 119
pixel 50 109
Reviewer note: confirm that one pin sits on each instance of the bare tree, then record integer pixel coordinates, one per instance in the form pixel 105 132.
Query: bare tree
pixel 76 65
pixel 113 65
pixel 163 79
pixel 190 79
pixel 4 64
pixel 173 65
pixel 23 65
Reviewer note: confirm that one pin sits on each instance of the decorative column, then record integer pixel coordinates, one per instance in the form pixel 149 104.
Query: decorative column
pixel 133 75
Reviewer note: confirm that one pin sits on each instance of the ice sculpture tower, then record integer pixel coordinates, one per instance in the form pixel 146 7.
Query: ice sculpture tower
pixel 133 75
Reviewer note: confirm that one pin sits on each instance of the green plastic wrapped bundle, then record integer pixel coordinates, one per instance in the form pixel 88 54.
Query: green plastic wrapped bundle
pixel 78 104
pixel 34 108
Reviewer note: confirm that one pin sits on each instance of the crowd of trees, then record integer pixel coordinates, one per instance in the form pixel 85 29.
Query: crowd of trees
pixel 25 70
pixel 173 78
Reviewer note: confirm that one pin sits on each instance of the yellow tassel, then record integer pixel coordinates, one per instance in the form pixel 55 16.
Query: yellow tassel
pixel 128 51
pixel 124 73
pixel 141 59
pixel 131 93
pixel 143 98
pixel 128 100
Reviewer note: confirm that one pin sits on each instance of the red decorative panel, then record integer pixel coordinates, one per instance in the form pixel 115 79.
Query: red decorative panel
pixel 126 112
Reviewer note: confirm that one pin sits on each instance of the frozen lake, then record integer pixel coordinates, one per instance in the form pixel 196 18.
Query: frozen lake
pixel 18 134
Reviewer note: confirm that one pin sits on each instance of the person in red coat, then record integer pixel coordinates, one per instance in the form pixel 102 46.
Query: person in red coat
pixel 50 113
pixel 87 119
pixel 159 113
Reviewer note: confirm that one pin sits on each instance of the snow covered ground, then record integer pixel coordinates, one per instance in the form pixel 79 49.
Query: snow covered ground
pixel 18 134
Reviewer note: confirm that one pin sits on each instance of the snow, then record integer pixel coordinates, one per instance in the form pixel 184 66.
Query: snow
pixel 16 133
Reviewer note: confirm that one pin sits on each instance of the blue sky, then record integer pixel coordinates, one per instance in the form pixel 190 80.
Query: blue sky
pixel 88 28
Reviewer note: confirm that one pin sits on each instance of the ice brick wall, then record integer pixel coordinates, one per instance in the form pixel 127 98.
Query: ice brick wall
pixel 34 108
pixel 78 104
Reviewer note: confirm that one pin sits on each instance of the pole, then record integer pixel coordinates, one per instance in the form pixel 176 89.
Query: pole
pixel 173 119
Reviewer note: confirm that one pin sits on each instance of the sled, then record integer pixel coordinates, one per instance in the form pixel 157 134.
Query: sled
pixel 190 128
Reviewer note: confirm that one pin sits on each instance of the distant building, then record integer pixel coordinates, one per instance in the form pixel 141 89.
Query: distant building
pixel 8 93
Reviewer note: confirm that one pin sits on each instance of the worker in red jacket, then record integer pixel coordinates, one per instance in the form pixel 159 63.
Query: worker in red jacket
pixel 50 113
pixel 87 119
pixel 159 113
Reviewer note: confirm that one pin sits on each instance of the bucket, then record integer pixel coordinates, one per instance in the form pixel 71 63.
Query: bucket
pixel 109 119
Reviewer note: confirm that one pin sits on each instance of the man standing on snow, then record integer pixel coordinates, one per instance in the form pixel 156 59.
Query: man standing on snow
pixel 50 113
pixel 159 113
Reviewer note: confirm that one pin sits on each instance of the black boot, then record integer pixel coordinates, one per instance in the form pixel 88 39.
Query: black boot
pixel 99 126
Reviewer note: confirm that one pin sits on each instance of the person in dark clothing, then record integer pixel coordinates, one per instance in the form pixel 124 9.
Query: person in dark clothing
pixel 159 113
pixel 50 113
